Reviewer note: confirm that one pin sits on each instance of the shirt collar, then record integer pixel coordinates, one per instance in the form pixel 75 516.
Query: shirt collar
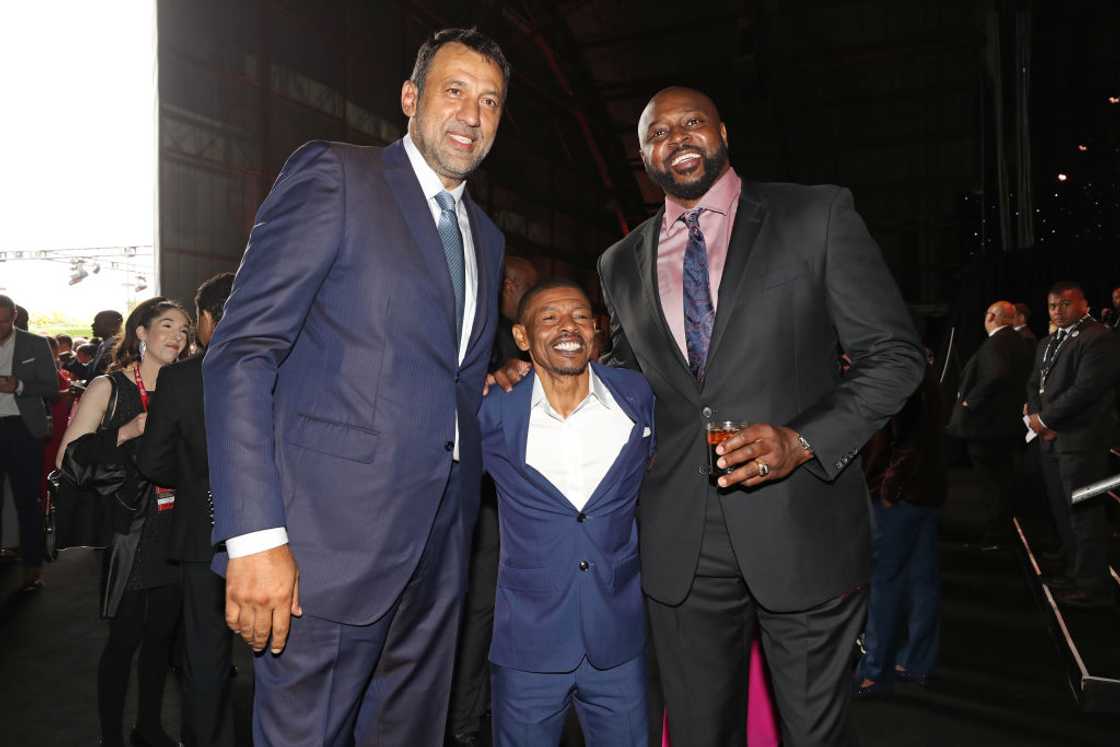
pixel 1070 327
pixel 997 329
pixel 430 183
pixel 597 390
pixel 719 198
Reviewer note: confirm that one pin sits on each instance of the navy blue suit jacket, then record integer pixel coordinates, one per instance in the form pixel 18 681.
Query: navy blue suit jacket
pixel 549 614
pixel 332 381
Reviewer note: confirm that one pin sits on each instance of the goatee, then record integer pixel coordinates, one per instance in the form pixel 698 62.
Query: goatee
pixel 713 167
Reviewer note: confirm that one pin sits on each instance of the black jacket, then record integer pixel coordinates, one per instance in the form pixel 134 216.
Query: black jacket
pixel 173 455
pixel 1079 398
pixel 992 385
pixel 803 278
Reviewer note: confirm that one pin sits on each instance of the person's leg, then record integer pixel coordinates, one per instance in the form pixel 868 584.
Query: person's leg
pixel 1059 503
pixel 25 460
pixel 529 708
pixel 1089 522
pixel 309 694
pixel 809 655
pixel 703 646
pixel 611 704
pixel 406 702
pixel 890 550
pixel 161 620
pixel 207 701
pixel 470 689
pixel 923 584
pixel 115 666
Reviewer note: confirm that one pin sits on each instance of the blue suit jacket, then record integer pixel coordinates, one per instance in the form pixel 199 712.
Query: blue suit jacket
pixel 332 381
pixel 548 614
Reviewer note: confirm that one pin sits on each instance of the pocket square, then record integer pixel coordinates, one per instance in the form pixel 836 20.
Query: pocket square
pixel 646 432
pixel 29 360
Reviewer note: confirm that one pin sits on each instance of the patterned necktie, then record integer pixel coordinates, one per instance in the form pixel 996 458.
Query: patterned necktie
pixel 699 314
pixel 1051 349
pixel 452 239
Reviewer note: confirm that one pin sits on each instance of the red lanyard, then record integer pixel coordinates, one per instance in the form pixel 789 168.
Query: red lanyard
pixel 140 386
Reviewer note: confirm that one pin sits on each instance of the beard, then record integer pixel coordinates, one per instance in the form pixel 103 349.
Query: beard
pixel 713 167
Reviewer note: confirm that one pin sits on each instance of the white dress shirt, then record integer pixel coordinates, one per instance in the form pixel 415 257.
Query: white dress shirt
pixel 575 453
pixel 8 406
pixel 430 185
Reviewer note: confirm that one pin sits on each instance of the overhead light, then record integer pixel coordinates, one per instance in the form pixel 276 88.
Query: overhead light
pixel 1082 148
pixel 130 251
pixel 141 283
pixel 77 271
pixel 1063 177
pixel 96 268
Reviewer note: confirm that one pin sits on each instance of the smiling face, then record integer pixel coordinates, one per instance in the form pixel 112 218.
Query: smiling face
pixel 557 328
pixel 454 120
pixel 1067 307
pixel 683 143
pixel 166 336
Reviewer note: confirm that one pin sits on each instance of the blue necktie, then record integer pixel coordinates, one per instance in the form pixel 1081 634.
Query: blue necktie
pixel 452 239
pixel 699 314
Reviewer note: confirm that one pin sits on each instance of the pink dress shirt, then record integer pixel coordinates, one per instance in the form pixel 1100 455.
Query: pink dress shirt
pixel 719 203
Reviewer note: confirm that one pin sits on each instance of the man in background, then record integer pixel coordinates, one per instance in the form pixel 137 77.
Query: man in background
pixel 988 414
pixel 173 455
pixel 28 381
pixel 1071 407
pixel 106 326
pixel 1111 315
pixel 1023 321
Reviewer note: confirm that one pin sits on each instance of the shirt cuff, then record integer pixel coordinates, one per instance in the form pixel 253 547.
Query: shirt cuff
pixel 255 542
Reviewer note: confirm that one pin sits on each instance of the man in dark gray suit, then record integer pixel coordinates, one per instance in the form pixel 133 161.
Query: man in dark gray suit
pixel 988 413
pixel 733 300
pixel 28 379
pixel 1071 406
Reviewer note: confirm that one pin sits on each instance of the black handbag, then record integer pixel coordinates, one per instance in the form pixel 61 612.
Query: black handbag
pixel 101 479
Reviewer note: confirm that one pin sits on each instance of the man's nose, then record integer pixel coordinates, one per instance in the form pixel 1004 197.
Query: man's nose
pixel 469 112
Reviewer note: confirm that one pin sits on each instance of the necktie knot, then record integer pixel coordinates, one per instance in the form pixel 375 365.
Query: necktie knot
pixel 446 202
pixel 692 218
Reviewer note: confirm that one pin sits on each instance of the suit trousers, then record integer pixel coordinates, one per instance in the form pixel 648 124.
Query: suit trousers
pixel 470 688
pixel 530 708
pixel 1083 529
pixel 207 660
pixel 996 461
pixel 703 650
pixel 21 461
pixel 385 683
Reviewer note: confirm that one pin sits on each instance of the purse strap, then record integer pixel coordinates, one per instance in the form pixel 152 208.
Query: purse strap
pixel 111 407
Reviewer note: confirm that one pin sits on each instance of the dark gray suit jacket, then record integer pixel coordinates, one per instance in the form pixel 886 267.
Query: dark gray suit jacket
pixel 1079 403
pixel 33 365
pixel 992 385
pixel 803 279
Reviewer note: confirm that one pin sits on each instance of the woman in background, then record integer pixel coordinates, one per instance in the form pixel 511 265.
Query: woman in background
pixel 140 590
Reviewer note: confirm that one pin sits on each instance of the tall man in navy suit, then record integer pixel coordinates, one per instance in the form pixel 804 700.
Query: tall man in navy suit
pixel 342 389
pixel 567 449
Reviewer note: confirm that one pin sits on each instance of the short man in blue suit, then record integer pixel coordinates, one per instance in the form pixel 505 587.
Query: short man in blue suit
pixel 342 388
pixel 567 449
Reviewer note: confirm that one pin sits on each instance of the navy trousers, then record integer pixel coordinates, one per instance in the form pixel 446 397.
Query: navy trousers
pixel 905 593
pixel 530 708
pixel 385 683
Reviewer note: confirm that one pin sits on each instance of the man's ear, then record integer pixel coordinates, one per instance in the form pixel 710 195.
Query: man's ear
pixel 521 336
pixel 409 95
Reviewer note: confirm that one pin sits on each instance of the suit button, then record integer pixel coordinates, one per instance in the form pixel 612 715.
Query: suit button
pixel 584 565
pixel 582 517
pixel 449 446
pixel 706 412
pixel 456 378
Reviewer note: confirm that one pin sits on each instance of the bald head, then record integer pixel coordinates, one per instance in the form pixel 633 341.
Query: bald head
pixel 519 275
pixel 683 143
pixel 999 314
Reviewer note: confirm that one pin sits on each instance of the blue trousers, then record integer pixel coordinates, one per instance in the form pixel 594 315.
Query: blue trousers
pixel 529 708
pixel 905 593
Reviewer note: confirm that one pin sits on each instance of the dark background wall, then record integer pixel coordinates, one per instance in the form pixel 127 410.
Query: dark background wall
pixel 915 105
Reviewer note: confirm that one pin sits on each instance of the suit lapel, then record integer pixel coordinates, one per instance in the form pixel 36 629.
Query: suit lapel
pixel 515 421
pixel 738 286
pixel 647 267
pixel 406 189
pixel 482 262
pixel 622 399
